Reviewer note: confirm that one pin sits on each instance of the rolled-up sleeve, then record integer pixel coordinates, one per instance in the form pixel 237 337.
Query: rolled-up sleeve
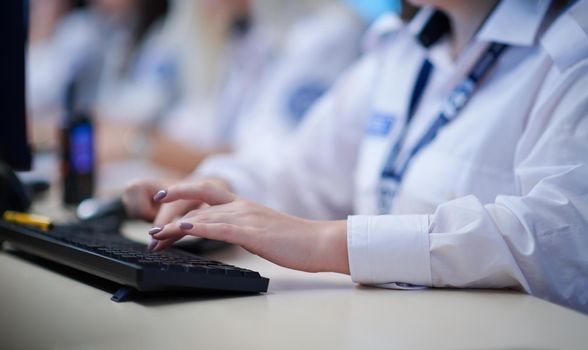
pixel 389 248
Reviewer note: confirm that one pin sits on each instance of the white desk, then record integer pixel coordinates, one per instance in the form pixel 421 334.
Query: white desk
pixel 44 308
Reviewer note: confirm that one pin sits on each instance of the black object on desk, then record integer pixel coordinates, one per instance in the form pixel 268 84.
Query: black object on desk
pixel 15 153
pixel 128 263
pixel 77 150
pixel 13 195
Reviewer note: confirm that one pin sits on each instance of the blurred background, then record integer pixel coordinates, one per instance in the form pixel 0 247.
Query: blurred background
pixel 125 89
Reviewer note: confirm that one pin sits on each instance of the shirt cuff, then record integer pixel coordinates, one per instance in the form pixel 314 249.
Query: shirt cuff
pixel 389 249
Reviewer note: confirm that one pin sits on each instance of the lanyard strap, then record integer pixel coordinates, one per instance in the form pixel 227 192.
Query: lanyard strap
pixel 457 99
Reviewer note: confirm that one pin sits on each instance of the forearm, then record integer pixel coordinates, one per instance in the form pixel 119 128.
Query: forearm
pixel 176 155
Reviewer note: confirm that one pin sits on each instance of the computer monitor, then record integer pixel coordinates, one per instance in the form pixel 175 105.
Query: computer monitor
pixel 15 151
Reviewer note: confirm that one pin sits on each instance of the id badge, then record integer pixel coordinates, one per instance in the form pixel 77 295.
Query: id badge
pixel 386 192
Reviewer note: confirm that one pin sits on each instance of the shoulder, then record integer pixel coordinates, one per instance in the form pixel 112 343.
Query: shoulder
pixel 332 19
pixel 331 26
pixel 81 20
pixel 78 33
pixel 566 40
pixel 381 30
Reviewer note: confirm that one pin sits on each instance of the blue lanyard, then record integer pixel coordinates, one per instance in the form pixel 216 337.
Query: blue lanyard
pixel 392 174
pixel 458 98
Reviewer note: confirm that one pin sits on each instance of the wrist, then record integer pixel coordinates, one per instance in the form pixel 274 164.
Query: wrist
pixel 333 247
pixel 214 180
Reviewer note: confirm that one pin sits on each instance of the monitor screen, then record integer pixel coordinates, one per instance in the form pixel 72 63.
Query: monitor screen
pixel 14 147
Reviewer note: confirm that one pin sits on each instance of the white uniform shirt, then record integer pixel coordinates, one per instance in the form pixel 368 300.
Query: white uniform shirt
pixel 498 199
pixel 277 90
pixel 268 86
pixel 93 50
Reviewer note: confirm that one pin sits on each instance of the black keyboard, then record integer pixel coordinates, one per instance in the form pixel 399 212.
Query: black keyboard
pixel 128 263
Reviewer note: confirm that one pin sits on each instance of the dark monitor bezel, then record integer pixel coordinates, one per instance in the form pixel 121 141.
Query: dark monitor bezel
pixel 14 146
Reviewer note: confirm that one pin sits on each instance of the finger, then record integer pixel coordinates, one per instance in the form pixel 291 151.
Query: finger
pixel 173 232
pixel 164 244
pixel 205 192
pixel 137 202
pixel 152 244
pixel 218 231
pixel 169 211
pixel 137 208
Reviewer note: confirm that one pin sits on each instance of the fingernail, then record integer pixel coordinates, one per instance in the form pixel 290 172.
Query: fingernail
pixel 155 230
pixel 152 244
pixel 160 195
pixel 186 226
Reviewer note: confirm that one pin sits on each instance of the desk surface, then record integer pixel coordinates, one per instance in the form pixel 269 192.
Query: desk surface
pixel 49 307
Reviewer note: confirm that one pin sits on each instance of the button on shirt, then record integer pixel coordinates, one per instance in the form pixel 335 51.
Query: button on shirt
pixel 498 199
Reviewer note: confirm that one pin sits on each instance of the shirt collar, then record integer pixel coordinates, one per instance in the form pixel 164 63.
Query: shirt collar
pixel 566 40
pixel 421 20
pixel 382 28
pixel 515 22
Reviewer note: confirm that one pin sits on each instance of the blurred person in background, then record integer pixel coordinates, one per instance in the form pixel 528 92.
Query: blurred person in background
pixel 137 77
pixel 289 53
pixel 45 16
pixel 206 38
pixel 307 69
pixel 102 48
pixel 217 75
pixel 314 52
pixel 239 67
pixel 46 74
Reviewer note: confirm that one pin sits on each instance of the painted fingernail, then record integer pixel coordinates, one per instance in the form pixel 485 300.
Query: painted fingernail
pixel 160 195
pixel 186 226
pixel 152 244
pixel 155 230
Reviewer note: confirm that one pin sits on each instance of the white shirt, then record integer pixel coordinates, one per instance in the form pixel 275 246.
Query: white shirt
pixel 92 49
pixel 270 86
pixel 498 199
pixel 278 90
pixel 53 63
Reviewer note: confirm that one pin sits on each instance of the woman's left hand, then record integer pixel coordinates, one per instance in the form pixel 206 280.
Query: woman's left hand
pixel 286 240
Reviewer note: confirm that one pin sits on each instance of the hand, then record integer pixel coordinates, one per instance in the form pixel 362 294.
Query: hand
pixel 139 202
pixel 138 199
pixel 288 241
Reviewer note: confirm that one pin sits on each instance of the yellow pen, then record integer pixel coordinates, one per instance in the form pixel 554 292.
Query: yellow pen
pixel 42 222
